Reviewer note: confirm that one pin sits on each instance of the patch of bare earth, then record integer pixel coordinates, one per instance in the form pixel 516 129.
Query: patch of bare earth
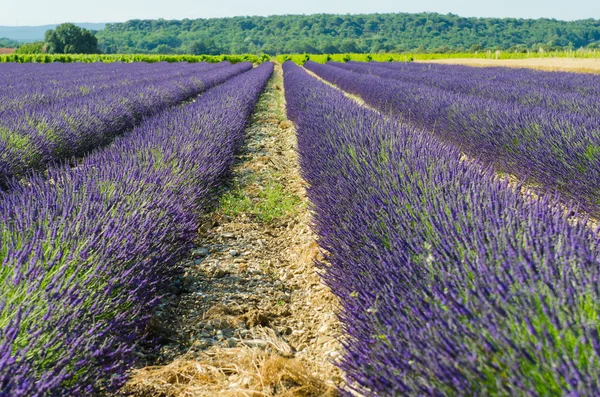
pixel 250 316
pixel 582 65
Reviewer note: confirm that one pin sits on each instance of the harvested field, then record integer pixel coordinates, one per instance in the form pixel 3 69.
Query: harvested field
pixel 581 65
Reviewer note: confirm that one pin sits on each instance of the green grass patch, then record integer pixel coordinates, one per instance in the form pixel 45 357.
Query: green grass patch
pixel 14 140
pixel 269 205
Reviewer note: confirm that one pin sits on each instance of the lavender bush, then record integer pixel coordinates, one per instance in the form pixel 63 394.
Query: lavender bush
pixel 551 149
pixel 85 251
pixel 451 282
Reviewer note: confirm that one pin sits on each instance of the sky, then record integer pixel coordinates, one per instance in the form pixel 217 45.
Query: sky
pixel 42 12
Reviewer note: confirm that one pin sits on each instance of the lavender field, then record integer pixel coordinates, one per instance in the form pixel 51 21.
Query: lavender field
pixel 86 250
pixel 453 279
pixel 454 216
pixel 50 113
pixel 541 127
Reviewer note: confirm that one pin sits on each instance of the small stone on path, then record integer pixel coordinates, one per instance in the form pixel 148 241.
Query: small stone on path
pixel 199 252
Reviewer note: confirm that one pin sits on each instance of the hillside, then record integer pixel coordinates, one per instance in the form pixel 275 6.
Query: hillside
pixel 324 33
pixel 27 34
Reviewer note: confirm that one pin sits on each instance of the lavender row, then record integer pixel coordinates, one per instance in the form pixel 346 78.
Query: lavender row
pixel 86 252
pixel 554 152
pixel 25 85
pixel 516 86
pixel 38 134
pixel 450 282
pixel 580 83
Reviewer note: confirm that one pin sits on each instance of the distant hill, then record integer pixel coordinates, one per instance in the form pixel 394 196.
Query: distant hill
pixel 28 34
pixel 326 33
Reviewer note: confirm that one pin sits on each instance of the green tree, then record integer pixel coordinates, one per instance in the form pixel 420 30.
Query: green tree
pixel 8 43
pixel 203 46
pixel 31 48
pixel 164 49
pixel 349 46
pixel 71 39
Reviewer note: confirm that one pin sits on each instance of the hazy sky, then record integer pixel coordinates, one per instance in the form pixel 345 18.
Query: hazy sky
pixel 40 12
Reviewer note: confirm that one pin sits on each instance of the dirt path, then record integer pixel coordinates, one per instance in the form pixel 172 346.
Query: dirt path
pixel 581 65
pixel 251 316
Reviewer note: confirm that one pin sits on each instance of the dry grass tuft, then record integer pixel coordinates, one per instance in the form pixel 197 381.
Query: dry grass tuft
pixel 288 377
pixel 229 372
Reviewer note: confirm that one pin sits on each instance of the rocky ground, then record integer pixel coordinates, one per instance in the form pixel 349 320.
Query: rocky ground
pixel 250 316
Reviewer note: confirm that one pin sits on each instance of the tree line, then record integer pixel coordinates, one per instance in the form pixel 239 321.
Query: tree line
pixel 365 33
pixel 322 34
